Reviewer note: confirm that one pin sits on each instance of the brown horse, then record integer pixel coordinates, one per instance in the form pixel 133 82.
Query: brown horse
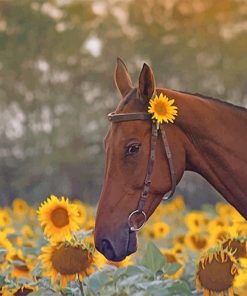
pixel 208 137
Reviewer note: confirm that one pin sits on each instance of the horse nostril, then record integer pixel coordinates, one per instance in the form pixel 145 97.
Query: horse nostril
pixel 107 249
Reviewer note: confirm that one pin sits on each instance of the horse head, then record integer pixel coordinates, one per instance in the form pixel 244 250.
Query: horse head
pixel 127 146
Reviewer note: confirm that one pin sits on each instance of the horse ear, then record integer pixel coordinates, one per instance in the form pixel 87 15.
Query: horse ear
pixel 122 78
pixel 146 83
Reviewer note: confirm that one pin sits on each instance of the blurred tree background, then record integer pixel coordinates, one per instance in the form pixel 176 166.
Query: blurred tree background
pixel 57 59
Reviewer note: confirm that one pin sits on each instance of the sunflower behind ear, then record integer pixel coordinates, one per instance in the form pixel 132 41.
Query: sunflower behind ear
pixel 162 109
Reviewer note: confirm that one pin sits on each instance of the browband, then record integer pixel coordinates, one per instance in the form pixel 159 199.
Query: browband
pixel 113 117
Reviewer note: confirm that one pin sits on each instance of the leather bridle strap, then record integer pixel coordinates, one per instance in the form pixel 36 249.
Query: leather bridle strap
pixel 147 181
pixel 170 163
pixel 128 116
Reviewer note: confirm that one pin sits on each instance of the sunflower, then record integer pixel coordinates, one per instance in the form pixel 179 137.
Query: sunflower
pixel 82 212
pixel 90 224
pixel 240 284
pixel 58 218
pixel 4 241
pixel 69 260
pixel 20 207
pixel 162 109
pixel 180 250
pixel 219 234
pixel 5 218
pixel 161 229
pixel 197 241
pixel 178 202
pixel 236 244
pixel 22 290
pixel 241 228
pixel 172 257
pixel 149 232
pixel 216 271
pixel 179 238
pixel 22 266
pixel 226 210
pixel 196 220
pixel 27 231
pixel 217 222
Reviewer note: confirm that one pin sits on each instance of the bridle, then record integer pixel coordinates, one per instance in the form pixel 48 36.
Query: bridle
pixel 121 117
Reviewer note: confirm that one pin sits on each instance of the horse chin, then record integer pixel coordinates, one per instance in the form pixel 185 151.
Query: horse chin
pixel 132 245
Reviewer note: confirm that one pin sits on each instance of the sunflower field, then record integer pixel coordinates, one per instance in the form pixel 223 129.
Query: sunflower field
pixel 49 250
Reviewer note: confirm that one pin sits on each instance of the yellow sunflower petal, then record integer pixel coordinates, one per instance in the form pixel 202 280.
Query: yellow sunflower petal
pixel 162 109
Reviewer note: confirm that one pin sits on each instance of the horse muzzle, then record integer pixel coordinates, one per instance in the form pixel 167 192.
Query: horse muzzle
pixel 115 246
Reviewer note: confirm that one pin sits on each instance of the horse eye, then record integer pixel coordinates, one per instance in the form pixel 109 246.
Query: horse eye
pixel 132 149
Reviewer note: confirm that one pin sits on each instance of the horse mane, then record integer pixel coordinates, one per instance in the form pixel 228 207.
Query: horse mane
pixel 240 108
pixel 128 97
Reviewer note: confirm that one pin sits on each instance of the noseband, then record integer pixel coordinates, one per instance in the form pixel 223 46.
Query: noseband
pixel 147 182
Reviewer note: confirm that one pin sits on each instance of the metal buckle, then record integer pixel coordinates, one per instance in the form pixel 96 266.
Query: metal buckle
pixel 136 212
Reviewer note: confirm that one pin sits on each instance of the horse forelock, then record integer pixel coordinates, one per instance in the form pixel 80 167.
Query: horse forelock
pixel 132 101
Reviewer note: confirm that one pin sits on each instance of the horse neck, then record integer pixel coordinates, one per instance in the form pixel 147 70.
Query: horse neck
pixel 216 147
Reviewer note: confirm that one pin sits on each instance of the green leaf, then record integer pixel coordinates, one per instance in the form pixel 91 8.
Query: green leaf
pixel 171 268
pixel 153 259
pixel 37 270
pixel 119 273
pixel 135 269
pixel 130 280
pixel 2 253
pixel 131 270
pixel 97 280
pixel 23 281
pixel 177 288
pixel 37 293
pixel 30 251
pixel 2 280
pixel 165 288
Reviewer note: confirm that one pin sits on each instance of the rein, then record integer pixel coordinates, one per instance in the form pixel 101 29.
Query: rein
pixel 115 118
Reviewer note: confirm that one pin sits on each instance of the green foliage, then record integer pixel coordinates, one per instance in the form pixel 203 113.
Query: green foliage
pixel 97 281
pixel 145 279
pixel 153 259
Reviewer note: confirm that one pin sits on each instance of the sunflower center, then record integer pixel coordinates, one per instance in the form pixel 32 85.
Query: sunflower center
pixel 180 239
pixel 23 292
pixel 160 109
pixel 199 242
pixel 151 234
pixel 70 260
pixel 23 267
pixel 60 217
pixel 237 246
pixel 170 258
pixel 216 276
pixel 196 222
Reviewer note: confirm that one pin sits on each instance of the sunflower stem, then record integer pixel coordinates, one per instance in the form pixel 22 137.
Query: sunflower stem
pixel 81 287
